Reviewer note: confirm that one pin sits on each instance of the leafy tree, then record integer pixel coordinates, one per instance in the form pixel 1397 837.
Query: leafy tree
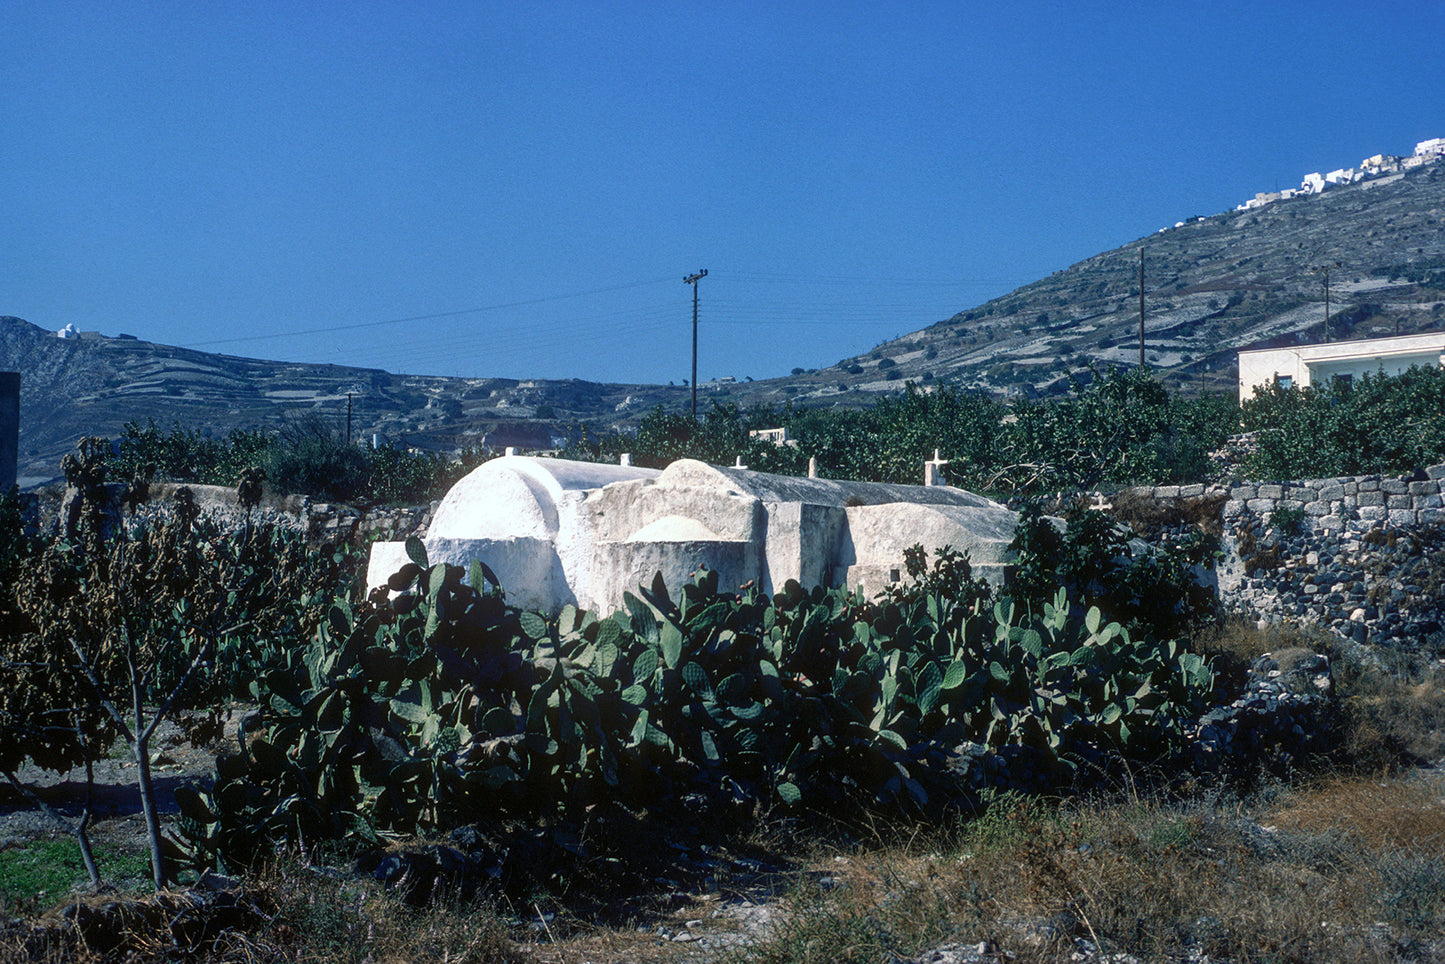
pixel 1122 427
pixel 116 630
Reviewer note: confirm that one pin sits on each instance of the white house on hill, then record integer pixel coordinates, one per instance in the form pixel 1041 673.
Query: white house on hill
pixel 1304 365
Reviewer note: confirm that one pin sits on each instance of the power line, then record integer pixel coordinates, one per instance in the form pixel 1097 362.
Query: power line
pixel 765 278
pixel 783 278
pixel 439 314
pixel 897 302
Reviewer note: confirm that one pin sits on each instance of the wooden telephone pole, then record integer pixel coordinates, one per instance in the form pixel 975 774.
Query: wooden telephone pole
pixel 1141 306
pixel 1325 270
pixel 693 279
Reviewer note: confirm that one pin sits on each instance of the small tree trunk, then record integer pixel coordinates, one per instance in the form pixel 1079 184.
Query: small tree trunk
pixel 82 834
pixel 148 805
pixel 146 785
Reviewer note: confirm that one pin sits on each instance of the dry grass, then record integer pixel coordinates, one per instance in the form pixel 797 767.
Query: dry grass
pixel 289 915
pixel 1157 881
pixel 1343 869
pixel 1381 814
pixel 1396 719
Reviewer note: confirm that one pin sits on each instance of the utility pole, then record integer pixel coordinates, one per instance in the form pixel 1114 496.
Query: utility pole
pixel 1141 306
pixel 1325 270
pixel 348 418
pixel 693 279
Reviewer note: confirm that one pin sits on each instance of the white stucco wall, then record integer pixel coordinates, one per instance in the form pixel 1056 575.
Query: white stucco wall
pixel 525 518
pixel 621 567
pixel 877 537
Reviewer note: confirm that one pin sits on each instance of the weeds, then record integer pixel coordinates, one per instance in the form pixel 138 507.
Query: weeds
pixel 1156 880
pixel 1394 708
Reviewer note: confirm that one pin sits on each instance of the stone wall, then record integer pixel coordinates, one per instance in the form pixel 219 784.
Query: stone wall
pixel 1362 556
pixel 322 522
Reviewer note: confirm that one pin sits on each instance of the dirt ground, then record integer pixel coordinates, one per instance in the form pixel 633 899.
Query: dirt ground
pixel 117 823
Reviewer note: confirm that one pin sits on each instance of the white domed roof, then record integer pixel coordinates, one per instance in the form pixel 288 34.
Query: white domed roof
pixel 517 496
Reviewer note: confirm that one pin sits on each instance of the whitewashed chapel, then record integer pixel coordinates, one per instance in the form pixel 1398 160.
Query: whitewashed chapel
pixel 558 532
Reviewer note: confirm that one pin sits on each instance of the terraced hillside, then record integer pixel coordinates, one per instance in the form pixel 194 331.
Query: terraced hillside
pixel 91 384
pixel 1215 285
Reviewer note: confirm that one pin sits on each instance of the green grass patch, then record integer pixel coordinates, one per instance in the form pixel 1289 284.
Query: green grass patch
pixel 44 871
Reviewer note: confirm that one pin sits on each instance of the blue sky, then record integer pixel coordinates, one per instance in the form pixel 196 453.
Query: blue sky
pixel 517 189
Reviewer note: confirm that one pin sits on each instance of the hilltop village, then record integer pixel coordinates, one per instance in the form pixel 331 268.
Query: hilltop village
pixel 1380 165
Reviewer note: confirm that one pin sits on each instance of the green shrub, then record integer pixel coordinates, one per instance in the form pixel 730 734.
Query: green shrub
pixel 308 455
pixel 1289 521
pixel 1154 591
pixel 408 714
pixel 1122 427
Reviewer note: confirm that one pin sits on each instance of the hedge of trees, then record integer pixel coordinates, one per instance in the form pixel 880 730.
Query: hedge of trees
pixel 1373 424
pixel 1119 427
pixel 1122 427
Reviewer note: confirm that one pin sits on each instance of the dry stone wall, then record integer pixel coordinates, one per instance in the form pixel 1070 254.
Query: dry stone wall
pixel 321 522
pixel 1363 556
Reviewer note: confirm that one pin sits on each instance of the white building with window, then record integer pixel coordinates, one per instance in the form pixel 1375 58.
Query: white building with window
pixel 1434 147
pixel 1303 365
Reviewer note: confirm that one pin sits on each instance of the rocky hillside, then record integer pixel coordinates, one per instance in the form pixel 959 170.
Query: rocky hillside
pixel 1213 285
